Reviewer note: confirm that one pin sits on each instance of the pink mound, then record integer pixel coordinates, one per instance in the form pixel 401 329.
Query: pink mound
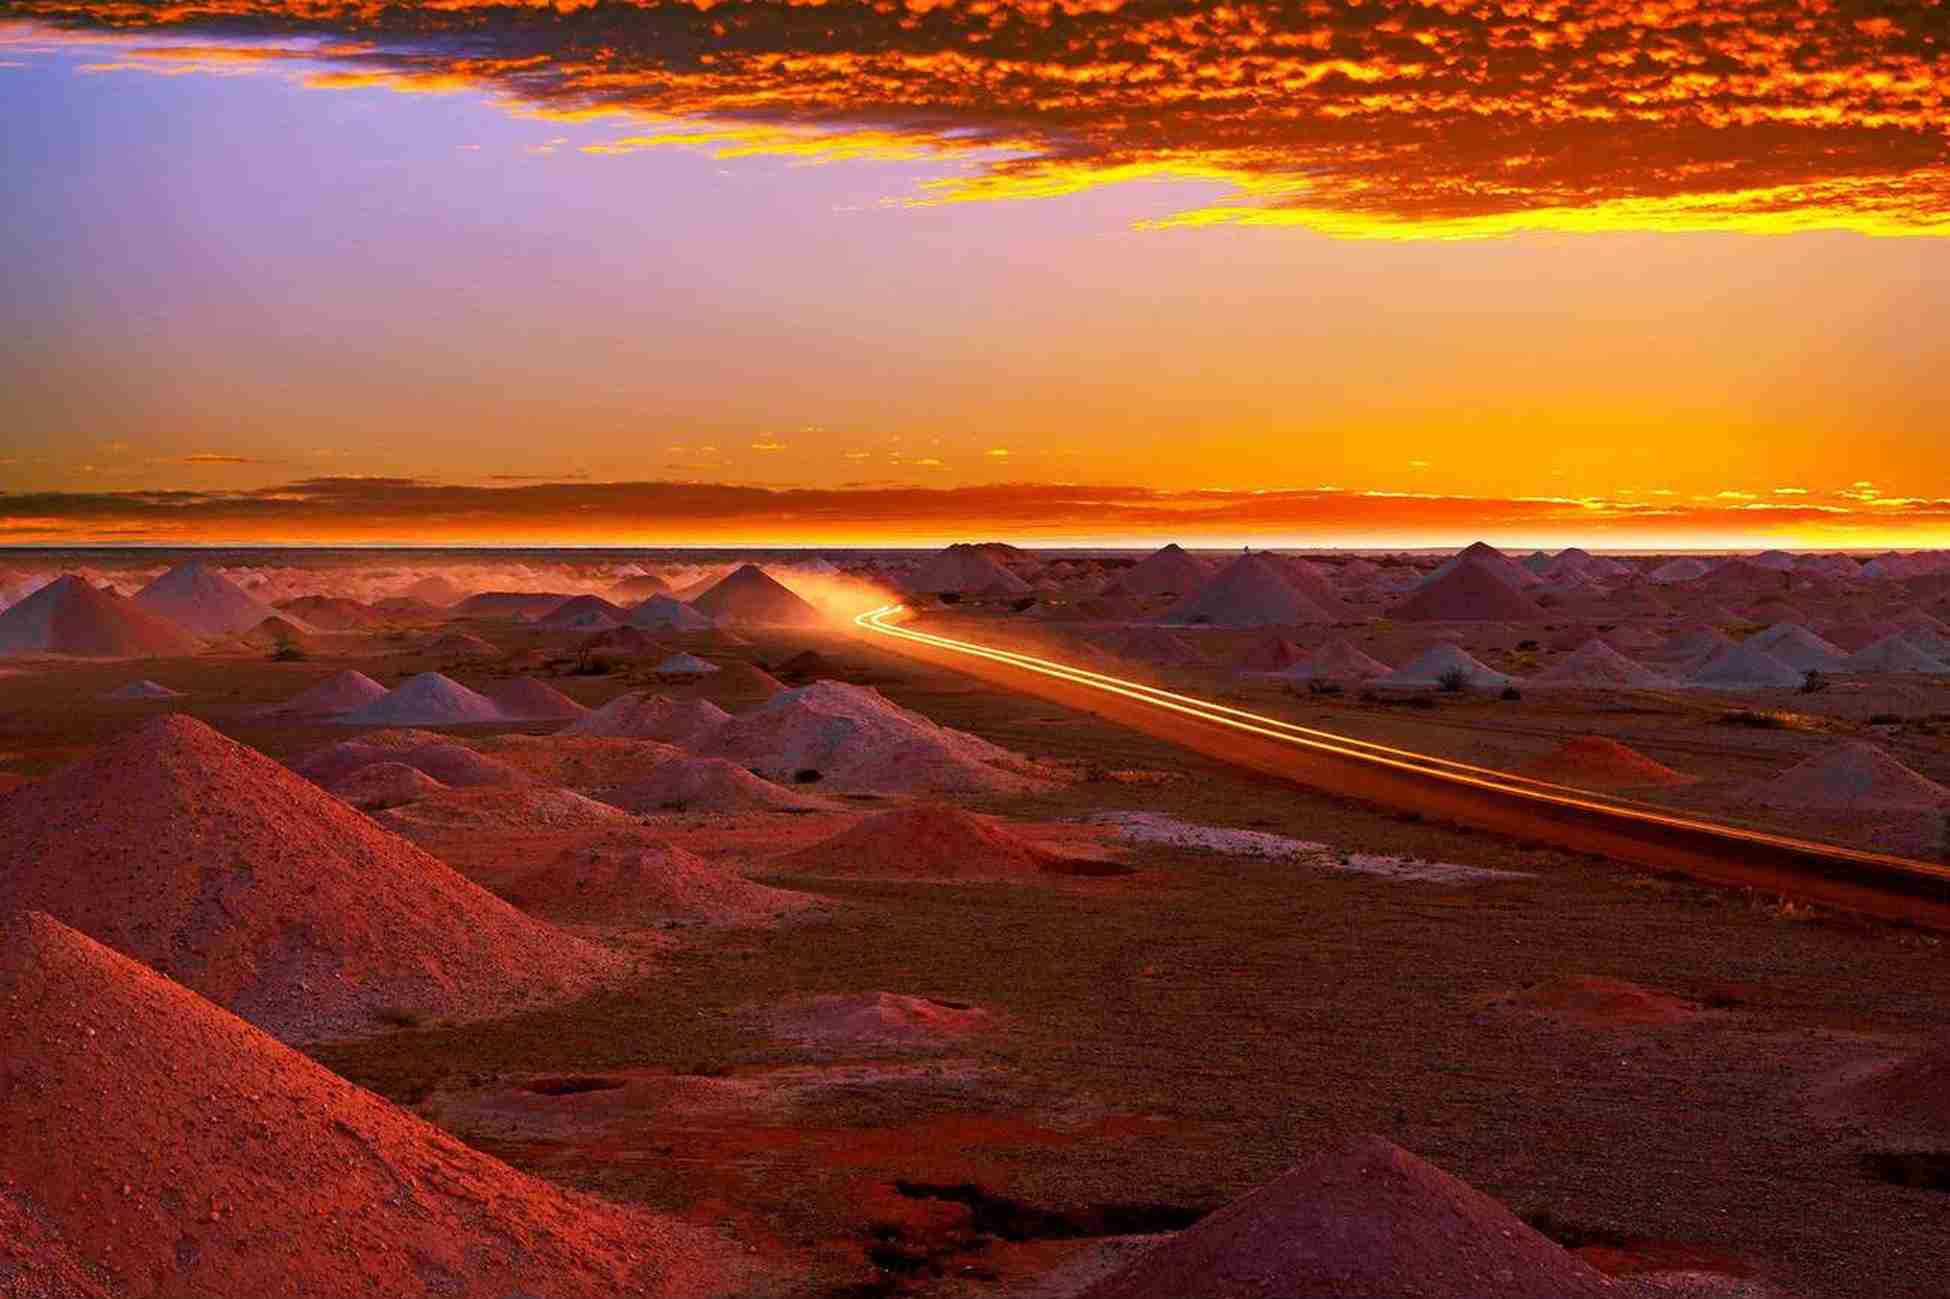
pixel 583 611
pixel 1599 1002
pixel 578 761
pixel 460 645
pixel 1597 664
pixel 235 1166
pixel 428 699
pixel 526 809
pixel 1166 572
pixel 381 785
pixel 924 841
pixel 330 613
pixel 200 598
pixel 855 737
pixel 709 784
pixel 1594 762
pixel 68 616
pixel 1149 645
pixel 751 597
pixel 528 700
pixel 629 877
pixel 1274 655
pixel 1469 592
pixel 1252 591
pixel 217 866
pixel 1367 1220
pixel 1339 660
pixel 445 761
pixel 641 716
pixel 1912 1094
pixel 1853 776
pixel 275 631
pixel 878 1018
pixel 341 693
pixel 737 683
pixel 621 643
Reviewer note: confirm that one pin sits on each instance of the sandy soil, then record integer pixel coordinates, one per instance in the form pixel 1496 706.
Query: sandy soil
pixel 1163 1042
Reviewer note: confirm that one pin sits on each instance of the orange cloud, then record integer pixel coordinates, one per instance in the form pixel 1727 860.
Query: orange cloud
pixel 516 510
pixel 1380 119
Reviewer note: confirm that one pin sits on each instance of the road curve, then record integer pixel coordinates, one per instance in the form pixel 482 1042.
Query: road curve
pixel 1879 884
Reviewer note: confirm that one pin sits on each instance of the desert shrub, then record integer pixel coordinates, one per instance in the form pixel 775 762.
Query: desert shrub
pixel 1814 682
pixel 1511 694
pixel 1527 645
pixel 1316 686
pixel 807 776
pixel 287 651
pixel 1024 605
pixel 1453 682
pixel 949 597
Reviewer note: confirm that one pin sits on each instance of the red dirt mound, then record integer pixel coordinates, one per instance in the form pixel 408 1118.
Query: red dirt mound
pixel 1595 762
pixel 751 597
pixel 709 784
pixel 68 616
pixel 1365 1221
pixel 447 762
pixel 1595 1001
pixel 236 1166
pixel 925 841
pixel 630 877
pixel 528 700
pixel 1912 1096
pixel 35 1263
pixel 1854 776
pixel 530 808
pixel 641 716
pixel 877 1018
pixel 1470 592
pixel 856 737
pixel 214 864
pixel 340 693
pixel 381 785
pixel 460 644
pixel 584 762
pixel 198 597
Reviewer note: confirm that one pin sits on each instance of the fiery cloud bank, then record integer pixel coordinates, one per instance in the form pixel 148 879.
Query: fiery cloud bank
pixel 1360 118
pixel 329 510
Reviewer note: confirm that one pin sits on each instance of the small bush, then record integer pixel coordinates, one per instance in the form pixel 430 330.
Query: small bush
pixel 1024 605
pixel 1511 694
pixel 949 597
pixel 1814 682
pixel 807 776
pixel 286 651
pixel 1758 721
pixel 1453 682
pixel 1316 686
pixel 1527 645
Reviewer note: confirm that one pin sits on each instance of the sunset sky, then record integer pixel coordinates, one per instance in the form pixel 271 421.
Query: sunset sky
pixel 1658 273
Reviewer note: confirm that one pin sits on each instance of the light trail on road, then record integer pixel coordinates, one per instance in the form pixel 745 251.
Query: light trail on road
pixel 1497 800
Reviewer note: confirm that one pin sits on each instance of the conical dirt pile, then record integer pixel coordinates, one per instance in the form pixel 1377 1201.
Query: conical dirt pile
pixel 184 1154
pixel 242 880
pixel 1365 1221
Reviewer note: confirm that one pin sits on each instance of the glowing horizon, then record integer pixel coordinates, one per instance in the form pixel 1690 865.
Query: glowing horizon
pixel 1652 276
